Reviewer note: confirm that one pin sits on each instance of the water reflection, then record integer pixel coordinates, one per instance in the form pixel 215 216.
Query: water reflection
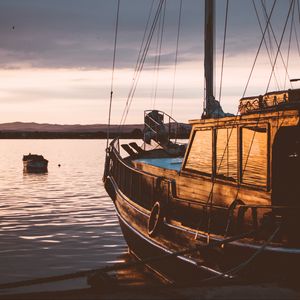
pixel 59 221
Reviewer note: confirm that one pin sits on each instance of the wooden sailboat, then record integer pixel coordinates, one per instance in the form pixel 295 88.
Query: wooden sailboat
pixel 228 203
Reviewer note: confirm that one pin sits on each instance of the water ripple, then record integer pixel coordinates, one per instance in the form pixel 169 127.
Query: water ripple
pixel 57 222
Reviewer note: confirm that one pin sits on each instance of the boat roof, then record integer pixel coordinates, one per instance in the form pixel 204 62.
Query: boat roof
pixel 265 116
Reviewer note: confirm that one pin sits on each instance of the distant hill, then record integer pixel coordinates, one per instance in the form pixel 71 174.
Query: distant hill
pixel 22 130
pixel 36 127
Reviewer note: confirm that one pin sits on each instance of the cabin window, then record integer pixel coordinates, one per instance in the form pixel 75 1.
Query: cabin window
pixel 226 153
pixel 254 155
pixel 200 154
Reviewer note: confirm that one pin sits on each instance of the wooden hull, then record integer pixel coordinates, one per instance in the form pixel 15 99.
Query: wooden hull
pixel 269 264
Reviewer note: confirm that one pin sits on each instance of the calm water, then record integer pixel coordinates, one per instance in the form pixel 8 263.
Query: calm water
pixel 58 222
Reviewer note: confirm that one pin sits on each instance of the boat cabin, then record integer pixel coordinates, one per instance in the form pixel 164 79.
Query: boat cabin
pixel 255 151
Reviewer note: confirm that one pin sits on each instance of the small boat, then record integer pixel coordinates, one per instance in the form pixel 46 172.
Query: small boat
pixel 34 163
pixel 226 205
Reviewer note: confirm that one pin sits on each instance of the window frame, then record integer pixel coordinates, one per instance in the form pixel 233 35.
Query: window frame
pixel 213 175
pixel 265 187
pixel 185 169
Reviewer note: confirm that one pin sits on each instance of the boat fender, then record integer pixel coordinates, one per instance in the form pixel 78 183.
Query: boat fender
pixel 156 219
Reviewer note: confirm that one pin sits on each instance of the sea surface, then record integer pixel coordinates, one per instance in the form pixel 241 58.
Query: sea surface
pixel 59 222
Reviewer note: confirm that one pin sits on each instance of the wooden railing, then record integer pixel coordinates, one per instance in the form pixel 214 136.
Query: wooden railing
pixel 141 187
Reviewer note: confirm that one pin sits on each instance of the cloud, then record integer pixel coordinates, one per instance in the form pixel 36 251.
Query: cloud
pixel 80 34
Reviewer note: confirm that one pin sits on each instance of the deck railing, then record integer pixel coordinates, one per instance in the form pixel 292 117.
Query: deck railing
pixel 136 185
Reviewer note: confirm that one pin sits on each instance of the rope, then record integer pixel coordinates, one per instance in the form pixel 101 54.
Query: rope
pixel 252 141
pixel 247 262
pixel 139 59
pixel 277 45
pixel 176 56
pixel 113 72
pixel 223 51
pixel 79 274
pixel 258 50
pixel 162 26
pixel 289 45
pixel 278 49
pixel 298 4
pixel 265 42
pixel 296 36
pixel 210 197
pixel 155 69
pixel 141 63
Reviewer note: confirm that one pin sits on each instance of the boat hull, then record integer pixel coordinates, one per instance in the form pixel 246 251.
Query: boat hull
pixel 35 166
pixel 194 267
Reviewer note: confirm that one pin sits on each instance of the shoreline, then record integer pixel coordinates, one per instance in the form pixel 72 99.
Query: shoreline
pixel 75 135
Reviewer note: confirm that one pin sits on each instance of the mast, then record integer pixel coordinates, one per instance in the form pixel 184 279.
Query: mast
pixel 209 52
pixel 212 107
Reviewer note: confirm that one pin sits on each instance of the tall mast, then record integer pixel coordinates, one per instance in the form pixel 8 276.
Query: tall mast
pixel 209 33
pixel 212 107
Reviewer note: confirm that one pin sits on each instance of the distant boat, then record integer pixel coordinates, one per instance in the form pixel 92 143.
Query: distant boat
pixel 34 163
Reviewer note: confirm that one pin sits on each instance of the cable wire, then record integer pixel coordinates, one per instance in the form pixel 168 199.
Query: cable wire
pixel 279 46
pixel 112 73
pixel 162 26
pixel 258 50
pixel 176 56
pixel 141 64
pixel 223 51
pixel 265 42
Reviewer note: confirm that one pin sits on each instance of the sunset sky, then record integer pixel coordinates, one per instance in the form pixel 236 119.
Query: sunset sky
pixel 56 58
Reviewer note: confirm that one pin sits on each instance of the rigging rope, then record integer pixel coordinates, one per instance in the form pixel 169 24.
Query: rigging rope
pixel 144 36
pixel 139 59
pixel 296 36
pixel 279 46
pixel 275 39
pixel 209 202
pixel 223 51
pixel 176 56
pixel 162 25
pixel 258 50
pixel 290 41
pixel 141 64
pixel 298 4
pixel 265 14
pixel 113 72
pixel 210 197
pixel 257 123
pixel 265 42
pixel 155 63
